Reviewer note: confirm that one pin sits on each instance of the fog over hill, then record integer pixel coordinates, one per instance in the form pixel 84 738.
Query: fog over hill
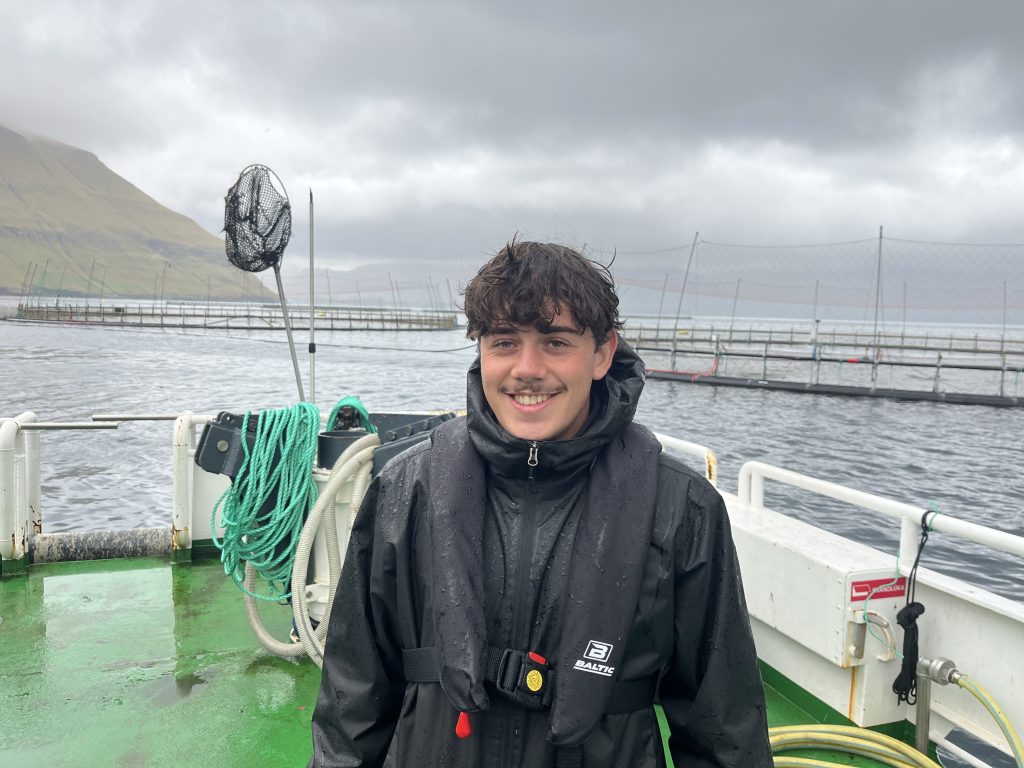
pixel 70 225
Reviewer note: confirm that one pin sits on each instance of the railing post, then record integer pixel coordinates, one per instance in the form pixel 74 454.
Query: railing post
pixel 181 505
pixel 33 507
pixel 910 532
pixel 750 486
pixel 743 485
pixel 14 495
pixel 757 490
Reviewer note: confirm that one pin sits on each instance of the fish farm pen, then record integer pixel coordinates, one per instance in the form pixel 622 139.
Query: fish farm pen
pixel 236 316
pixel 949 367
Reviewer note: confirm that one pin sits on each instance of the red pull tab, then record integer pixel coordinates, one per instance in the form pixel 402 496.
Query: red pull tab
pixel 462 727
pixel 537 657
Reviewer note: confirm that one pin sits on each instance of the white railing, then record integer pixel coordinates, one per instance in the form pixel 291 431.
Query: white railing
pixel 912 519
pixel 21 523
pixel 19 487
pixel 697 451
pixel 20 511
pixel 982 632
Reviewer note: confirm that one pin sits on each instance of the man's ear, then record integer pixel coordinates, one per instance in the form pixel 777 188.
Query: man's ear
pixel 604 355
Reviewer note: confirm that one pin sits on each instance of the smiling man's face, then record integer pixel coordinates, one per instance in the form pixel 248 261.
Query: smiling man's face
pixel 538 382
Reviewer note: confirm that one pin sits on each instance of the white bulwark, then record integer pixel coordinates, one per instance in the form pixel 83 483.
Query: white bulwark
pixel 823 610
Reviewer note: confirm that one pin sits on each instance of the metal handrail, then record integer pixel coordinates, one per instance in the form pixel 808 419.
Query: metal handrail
pixel 134 416
pixel 43 426
pixel 696 450
pixel 750 491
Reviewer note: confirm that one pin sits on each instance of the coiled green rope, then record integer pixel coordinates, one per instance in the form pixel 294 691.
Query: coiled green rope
pixel 279 466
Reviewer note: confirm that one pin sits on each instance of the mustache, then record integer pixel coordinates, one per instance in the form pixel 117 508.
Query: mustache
pixel 530 390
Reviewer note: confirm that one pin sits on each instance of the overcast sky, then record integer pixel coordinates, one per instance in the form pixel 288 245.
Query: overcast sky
pixel 439 129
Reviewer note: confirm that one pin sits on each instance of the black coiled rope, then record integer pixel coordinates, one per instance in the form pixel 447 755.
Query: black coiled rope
pixel 905 684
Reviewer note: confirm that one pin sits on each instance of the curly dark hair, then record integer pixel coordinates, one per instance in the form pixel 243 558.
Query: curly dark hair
pixel 527 283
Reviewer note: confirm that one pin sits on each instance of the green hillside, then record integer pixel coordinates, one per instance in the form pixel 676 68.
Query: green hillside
pixel 64 215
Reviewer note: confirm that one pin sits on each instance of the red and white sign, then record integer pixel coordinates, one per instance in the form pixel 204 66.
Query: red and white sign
pixel 879 589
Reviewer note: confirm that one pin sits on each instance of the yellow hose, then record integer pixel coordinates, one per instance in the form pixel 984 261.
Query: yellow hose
pixel 874 745
pixel 843 738
pixel 785 761
pixel 997 713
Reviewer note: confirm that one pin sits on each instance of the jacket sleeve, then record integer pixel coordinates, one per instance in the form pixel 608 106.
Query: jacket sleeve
pixel 362 686
pixel 712 693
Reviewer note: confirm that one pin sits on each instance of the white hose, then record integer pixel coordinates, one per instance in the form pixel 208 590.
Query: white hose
pixel 268 641
pixel 334 559
pixel 355 461
pixel 357 456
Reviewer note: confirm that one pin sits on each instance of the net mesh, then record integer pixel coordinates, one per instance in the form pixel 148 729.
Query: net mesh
pixel 257 220
pixel 897 280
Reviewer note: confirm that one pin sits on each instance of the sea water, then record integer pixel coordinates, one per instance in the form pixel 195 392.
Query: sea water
pixel 964 461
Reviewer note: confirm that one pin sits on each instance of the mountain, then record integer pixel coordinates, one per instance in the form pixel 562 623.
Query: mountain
pixel 70 225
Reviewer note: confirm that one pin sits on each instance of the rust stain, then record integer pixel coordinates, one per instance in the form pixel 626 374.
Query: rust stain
pixel 711 466
pixel 853 693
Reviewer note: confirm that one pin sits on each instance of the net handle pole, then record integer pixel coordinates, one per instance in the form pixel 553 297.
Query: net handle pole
pixel 288 330
pixel 312 310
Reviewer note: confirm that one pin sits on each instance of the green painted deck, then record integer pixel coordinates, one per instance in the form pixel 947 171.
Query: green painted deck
pixel 138 663
pixel 141 664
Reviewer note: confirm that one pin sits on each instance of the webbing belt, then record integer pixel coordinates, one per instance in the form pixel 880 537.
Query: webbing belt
pixel 510 672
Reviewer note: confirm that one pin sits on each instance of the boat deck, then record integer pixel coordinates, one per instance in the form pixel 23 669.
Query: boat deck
pixel 137 663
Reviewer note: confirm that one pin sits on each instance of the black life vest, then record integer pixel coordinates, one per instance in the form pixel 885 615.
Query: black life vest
pixel 608 557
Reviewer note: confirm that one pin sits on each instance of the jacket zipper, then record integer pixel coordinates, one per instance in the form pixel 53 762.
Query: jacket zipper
pixel 520 621
pixel 520 637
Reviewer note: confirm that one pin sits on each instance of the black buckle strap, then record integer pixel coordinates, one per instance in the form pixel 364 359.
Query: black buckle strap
pixel 521 678
pixel 420 665
pixel 510 671
pixel 514 673
pixel 631 695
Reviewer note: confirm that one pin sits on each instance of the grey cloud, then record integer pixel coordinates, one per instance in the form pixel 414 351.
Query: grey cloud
pixel 621 126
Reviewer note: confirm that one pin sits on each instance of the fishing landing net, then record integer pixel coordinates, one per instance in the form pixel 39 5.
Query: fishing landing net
pixel 257 220
pixel 257 227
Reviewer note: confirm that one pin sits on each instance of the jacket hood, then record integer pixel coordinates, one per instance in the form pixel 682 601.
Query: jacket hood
pixel 613 402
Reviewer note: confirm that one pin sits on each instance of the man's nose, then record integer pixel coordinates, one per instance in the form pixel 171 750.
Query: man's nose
pixel 529 363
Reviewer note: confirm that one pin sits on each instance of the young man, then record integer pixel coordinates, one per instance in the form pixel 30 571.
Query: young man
pixel 521 588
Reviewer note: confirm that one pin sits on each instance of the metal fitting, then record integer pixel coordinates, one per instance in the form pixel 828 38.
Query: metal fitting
pixel 939 670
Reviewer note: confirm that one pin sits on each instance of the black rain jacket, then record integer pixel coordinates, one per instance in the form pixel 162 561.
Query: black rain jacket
pixel 690 630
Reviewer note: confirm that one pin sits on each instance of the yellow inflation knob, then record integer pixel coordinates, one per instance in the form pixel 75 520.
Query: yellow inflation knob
pixel 534 680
